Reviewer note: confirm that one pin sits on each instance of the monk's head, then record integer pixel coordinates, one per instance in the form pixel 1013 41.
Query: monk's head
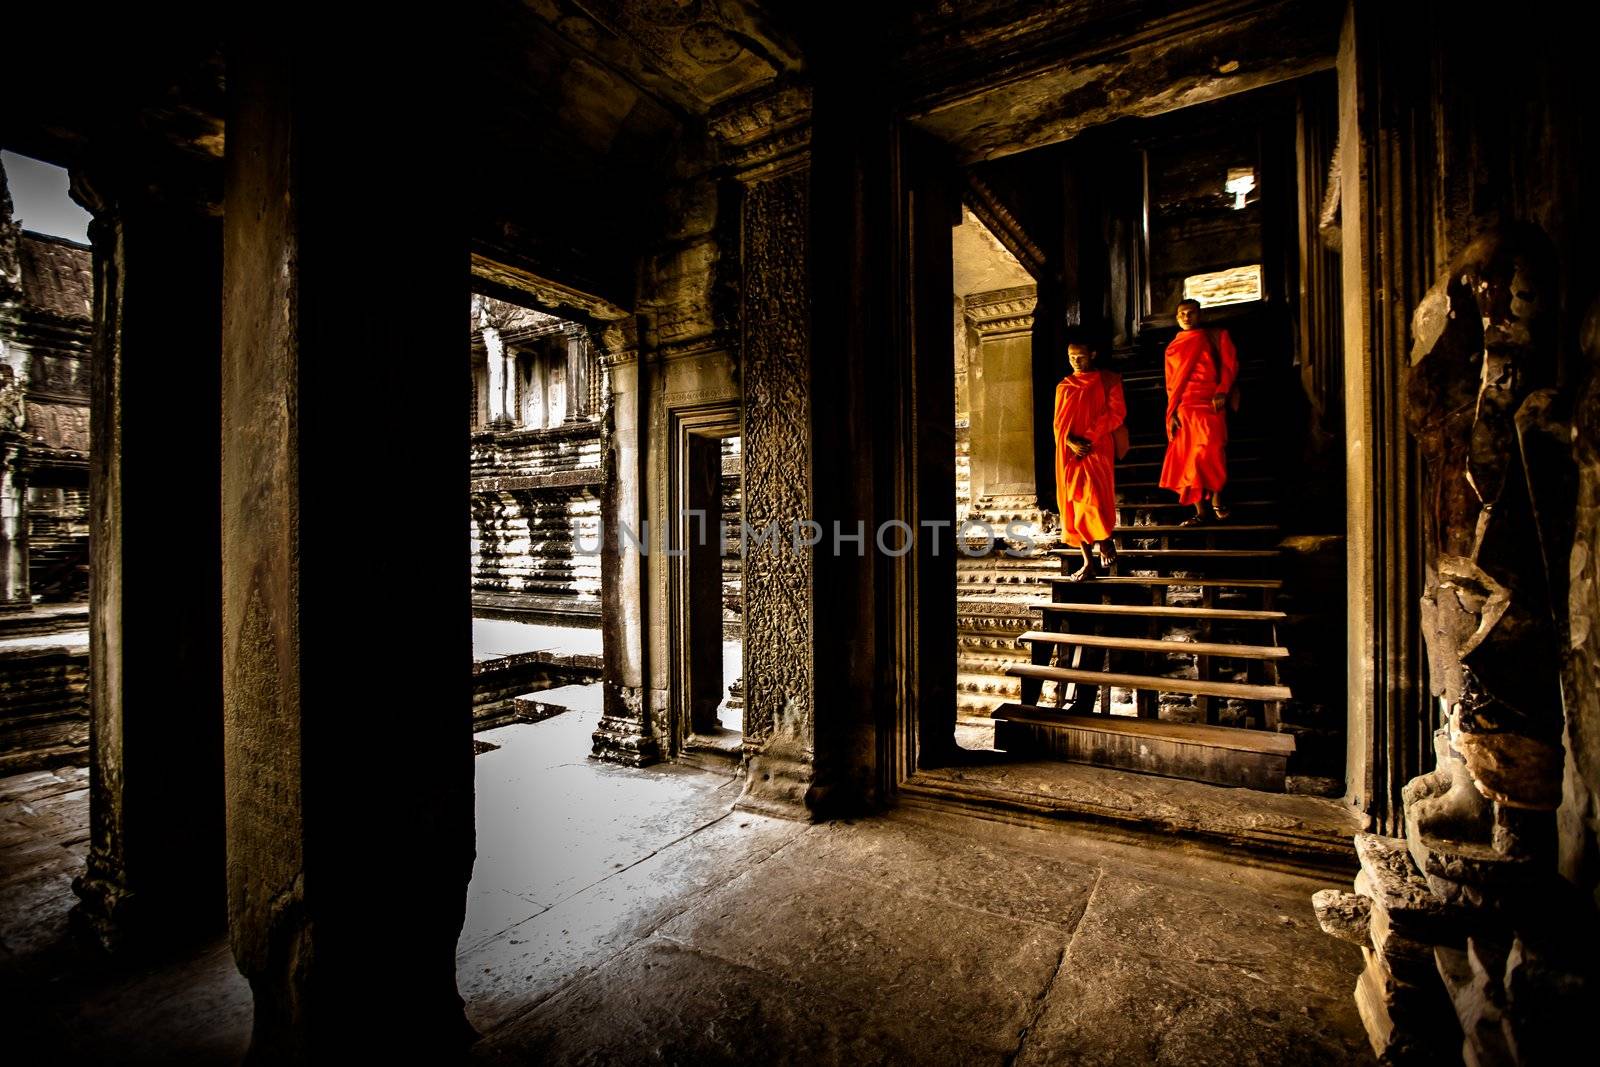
pixel 1188 314
pixel 1081 356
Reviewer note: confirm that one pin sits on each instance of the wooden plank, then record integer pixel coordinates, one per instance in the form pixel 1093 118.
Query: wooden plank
pixel 1242 583
pixel 1142 644
pixel 1139 555
pixel 1163 611
pixel 1234 690
pixel 1173 505
pixel 1254 479
pixel 1164 529
pixel 1193 733
pixel 1186 553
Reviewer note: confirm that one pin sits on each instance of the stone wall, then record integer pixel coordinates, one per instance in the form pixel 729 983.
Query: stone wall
pixel 535 509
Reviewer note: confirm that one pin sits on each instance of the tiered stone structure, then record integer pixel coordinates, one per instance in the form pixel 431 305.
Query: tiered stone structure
pixel 46 340
pixel 538 393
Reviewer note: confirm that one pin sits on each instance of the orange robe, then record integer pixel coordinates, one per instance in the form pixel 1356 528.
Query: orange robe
pixel 1089 406
pixel 1197 454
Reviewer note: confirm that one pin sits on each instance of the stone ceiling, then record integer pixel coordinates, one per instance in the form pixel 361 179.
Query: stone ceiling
pixel 994 77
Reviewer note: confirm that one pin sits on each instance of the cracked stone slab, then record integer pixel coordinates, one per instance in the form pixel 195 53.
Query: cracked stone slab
pixel 529 961
pixel 923 966
pixel 1163 970
pixel 953 867
pixel 660 1002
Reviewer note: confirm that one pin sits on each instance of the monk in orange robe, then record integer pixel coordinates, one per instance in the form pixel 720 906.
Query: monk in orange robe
pixel 1089 408
pixel 1201 366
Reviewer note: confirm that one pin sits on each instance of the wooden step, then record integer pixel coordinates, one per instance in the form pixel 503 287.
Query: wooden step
pixel 1241 583
pixel 1152 484
pixel 1162 611
pixel 1173 505
pixel 1244 443
pixel 1143 644
pixel 1165 529
pixel 1253 759
pixel 1153 683
pixel 1186 553
pixel 1195 553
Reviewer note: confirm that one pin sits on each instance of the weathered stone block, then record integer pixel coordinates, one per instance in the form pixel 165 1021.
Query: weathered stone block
pixel 1344 915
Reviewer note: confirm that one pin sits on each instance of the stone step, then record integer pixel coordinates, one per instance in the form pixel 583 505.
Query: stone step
pixel 1154 683
pixel 1144 644
pixel 1253 759
pixel 1162 611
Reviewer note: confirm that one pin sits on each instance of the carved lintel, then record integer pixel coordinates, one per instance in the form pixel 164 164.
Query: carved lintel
pixel 759 136
pixel 1001 312
pixel 548 294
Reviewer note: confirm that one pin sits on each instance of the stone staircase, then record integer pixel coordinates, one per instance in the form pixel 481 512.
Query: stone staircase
pixel 1172 666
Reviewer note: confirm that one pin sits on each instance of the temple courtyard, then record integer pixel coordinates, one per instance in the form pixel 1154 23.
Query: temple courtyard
pixel 633 916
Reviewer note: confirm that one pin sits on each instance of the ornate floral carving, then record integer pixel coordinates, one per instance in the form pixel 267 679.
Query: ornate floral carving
pixel 777 457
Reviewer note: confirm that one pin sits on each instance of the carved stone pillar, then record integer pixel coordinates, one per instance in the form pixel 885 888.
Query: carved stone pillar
pixel 779 578
pixel 347 863
pixel 156 861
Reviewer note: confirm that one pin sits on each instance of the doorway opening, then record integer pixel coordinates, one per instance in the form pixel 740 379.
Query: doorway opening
pixel 1211 652
pixel 706 580
pixel 538 391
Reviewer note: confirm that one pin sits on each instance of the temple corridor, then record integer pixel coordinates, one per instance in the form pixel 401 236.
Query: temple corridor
pixel 630 915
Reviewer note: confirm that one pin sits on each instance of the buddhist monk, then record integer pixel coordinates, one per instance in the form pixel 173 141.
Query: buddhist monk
pixel 1089 408
pixel 1201 366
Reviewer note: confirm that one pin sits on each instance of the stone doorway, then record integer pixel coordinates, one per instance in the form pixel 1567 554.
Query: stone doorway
pixel 706 578
pixel 1228 636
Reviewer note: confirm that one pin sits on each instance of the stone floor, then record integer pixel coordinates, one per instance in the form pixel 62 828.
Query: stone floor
pixel 492 638
pixel 622 916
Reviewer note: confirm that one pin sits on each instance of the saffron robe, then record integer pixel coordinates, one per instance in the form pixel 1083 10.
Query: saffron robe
pixel 1088 406
pixel 1201 366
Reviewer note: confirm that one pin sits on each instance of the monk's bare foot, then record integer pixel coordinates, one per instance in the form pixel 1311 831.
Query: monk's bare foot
pixel 1199 518
pixel 1221 510
pixel 1108 556
pixel 1082 573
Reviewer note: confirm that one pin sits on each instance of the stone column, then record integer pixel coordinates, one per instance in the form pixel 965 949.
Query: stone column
pixel 499 380
pixel 14 593
pixel 348 856
pixel 155 867
pixel 577 375
pixel 625 733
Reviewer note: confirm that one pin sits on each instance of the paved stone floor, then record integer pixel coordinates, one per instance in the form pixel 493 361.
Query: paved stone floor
pixel 622 916
pixel 493 638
